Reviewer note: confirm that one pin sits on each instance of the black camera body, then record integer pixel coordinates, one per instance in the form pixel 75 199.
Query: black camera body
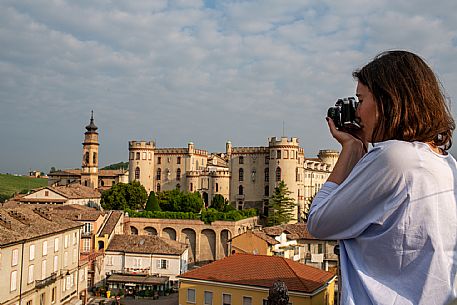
pixel 343 113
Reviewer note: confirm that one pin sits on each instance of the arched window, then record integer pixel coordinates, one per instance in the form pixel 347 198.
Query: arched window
pixel 240 174
pixel 240 190
pixel 138 156
pixel 137 173
pixel 158 187
pixel 278 174
pixel 94 158
pixel 159 174
pixel 86 157
pixel 178 174
pixel 217 187
pixel 267 174
pixel 267 191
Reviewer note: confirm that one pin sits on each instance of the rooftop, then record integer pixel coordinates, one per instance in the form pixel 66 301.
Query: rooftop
pixel 29 222
pixel 146 244
pixel 262 271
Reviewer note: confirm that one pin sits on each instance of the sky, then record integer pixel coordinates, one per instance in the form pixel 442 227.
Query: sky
pixel 188 70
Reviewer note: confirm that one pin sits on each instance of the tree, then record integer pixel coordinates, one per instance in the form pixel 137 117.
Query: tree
pixel 218 203
pixel 124 195
pixel 177 201
pixel 152 204
pixel 280 206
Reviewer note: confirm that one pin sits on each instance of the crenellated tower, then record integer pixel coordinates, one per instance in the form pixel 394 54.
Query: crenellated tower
pixel 89 169
pixel 141 163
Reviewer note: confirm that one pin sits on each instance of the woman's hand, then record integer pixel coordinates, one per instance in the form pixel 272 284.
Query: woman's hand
pixel 353 149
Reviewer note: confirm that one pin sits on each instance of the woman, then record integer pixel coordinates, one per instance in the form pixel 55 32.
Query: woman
pixel 394 208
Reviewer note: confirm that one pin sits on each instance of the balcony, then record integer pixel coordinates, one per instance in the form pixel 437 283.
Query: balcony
pixel 87 234
pixel 46 282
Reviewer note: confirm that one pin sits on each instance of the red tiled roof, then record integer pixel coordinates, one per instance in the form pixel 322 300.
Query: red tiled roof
pixel 262 271
pixel 76 191
pixel 150 244
pixel 110 224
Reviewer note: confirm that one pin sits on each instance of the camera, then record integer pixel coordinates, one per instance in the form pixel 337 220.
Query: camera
pixel 343 113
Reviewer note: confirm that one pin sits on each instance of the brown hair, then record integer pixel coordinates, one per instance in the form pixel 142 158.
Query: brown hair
pixel 409 99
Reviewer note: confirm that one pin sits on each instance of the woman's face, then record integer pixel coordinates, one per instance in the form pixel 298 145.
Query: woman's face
pixel 367 112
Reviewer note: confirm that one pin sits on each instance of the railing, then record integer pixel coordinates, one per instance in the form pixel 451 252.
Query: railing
pixel 47 281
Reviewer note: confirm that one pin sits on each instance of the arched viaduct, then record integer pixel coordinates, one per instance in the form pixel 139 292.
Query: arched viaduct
pixel 207 242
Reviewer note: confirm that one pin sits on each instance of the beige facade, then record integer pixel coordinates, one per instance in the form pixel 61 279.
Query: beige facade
pixel 246 176
pixel 40 264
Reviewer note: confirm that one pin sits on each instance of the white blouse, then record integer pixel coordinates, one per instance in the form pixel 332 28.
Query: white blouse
pixel 396 218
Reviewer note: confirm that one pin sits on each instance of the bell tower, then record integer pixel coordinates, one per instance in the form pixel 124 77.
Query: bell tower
pixel 89 172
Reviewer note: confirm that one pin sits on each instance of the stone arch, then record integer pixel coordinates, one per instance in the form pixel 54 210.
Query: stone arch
pixel 133 230
pixel 150 231
pixel 189 237
pixel 225 236
pixel 207 245
pixel 169 233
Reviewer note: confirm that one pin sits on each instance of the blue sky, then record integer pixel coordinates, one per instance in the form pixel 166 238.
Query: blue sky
pixel 200 71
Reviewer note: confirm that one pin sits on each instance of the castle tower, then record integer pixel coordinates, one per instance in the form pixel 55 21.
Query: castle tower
pixel 141 163
pixel 89 170
pixel 284 166
pixel 329 156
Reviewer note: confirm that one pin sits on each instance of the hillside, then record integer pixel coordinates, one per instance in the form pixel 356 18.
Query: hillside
pixel 10 184
pixel 120 165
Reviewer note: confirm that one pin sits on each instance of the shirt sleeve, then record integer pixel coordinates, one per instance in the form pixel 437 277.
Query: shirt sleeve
pixel 369 195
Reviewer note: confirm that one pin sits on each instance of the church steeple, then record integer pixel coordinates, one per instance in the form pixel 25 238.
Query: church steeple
pixel 89 168
pixel 91 127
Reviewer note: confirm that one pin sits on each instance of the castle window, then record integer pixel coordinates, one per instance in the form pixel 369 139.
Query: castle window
pixel 149 156
pixel 138 156
pixel 178 174
pixel 94 158
pixel 240 205
pixel 267 174
pixel 159 173
pixel 191 187
pixel 286 154
pixel 102 183
pixel 178 160
pixel 137 173
pixel 266 191
pixel 132 155
pixel 241 160
pixel 159 160
pixel 240 190
pixel 297 175
pixel 85 183
pixel 240 174
pixel 144 155
pixel 267 159
pixel 86 157
pixel 253 175
pixel 217 187
pixel 278 174
pixel 158 187
pixel 278 154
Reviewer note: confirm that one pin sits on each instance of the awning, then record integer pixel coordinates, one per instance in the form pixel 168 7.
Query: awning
pixel 137 279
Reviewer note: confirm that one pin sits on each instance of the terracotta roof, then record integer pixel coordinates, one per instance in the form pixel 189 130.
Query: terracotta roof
pixel 78 212
pixel 265 237
pixel 262 271
pixel 76 191
pixel 111 223
pixel 293 231
pixel 29 221
pixel 66 172
pixel 149 244
pixel 111 172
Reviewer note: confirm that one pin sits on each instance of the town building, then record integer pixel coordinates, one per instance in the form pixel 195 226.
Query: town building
pixel 71 194
pixel 150 262
pixel 39 258
pixel 292 241
pixel 246 279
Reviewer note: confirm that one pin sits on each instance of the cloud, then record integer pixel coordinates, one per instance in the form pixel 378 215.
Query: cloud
pixel 207 71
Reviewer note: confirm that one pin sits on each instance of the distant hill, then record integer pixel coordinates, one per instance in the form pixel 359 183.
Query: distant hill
pixel 11 184
pixel 120 165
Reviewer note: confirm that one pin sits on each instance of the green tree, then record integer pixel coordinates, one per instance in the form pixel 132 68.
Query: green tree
pixel 152 204
pixel 280 206
pixel 218 203
pixel 177 201
pixel 122 196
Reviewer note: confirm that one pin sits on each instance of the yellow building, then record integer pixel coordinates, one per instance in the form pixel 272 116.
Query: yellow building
pixel 245 279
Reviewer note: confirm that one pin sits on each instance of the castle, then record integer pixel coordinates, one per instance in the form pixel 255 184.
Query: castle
pixel 245 176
